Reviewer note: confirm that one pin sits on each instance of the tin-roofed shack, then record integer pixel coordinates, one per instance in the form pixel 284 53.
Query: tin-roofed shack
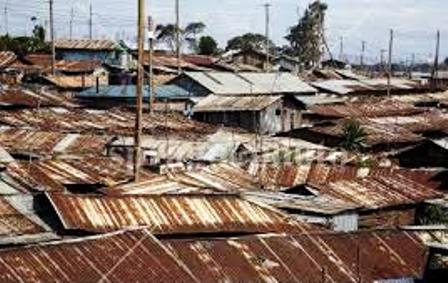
pixel 261 114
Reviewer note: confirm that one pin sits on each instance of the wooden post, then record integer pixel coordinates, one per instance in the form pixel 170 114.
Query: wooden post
pixel 389 67
pixel 53 48
pixel 178 43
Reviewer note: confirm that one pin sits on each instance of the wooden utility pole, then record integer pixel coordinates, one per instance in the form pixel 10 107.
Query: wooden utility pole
pixel 267 6
pixel 72 16
pixel 90 21
pixel 6 18
pixel 435 71
pixel 341 49
pixel 151 38
pixel 53 48
pixel 363 50
pixel 389 64
pixel 139 90
pixel 178 43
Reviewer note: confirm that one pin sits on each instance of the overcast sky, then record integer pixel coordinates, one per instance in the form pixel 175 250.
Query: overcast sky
pixel 414 21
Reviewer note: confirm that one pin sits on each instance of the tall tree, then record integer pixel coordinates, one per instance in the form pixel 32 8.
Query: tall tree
pixel 305 38
pixel 207 45
pixel 167 34
pixel 248 41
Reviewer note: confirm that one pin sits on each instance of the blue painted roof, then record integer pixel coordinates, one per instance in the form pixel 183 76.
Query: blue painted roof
pixel 128 91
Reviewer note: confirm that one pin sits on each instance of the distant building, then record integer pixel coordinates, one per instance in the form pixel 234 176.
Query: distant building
pixel 261 114
pixel 104 50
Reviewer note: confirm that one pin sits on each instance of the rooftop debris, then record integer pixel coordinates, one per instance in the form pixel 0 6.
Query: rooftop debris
pixel 86 44
pixel 28 142
pixel 53 175
pixel 369 108
pixel 112 122
pixel 171 214
pixel 17 96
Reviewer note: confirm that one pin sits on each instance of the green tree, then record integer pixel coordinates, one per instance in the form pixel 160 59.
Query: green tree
pixel 207 45
pixel 167 34
pixel 354 136
pixel 39 33
pixel 248 41
pixel 305 37
pixel 23 45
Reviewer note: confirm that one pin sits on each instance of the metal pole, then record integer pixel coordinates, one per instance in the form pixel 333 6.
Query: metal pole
pixel 6 18
pixel 139 90
pixel 435 72
pixel 151 26
pixel 341 54
pixel 363 49
pixel 267 6
pixel 91 22
pixel 389 67
pixel 53 48
pixel 71 22
pixel 178 43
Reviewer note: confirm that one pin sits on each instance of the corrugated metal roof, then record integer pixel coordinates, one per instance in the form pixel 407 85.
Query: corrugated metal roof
pixel 18 141
pixel 246 83
pixel 379 192
pixel 112 122
pixel 69 66
pixel 312 100
pixel 50 175
pixel 7 58
pixel 126 257
pixel 365 257
pixel 76 81
pixel 170 214
pixel 87 44
pixel 342 87
pixel 396 84
pixel 360 257
pixel 24 97
pixel 370 108
pixel 216 103
pixel 425 122
pixel 128 91
pixel 376 133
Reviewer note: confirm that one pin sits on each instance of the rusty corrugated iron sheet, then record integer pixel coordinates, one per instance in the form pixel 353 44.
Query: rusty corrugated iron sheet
pixel 218 103
pixel 13 222
pixel 86 44
pixel 171 214
pixel 6 58
pixel 17 96
pixel 43 61
pixel 376 133
pixel 380 191
pixel 126 257
pixel 53 175
pixel 426 122
pixel 76 81
pixel 370 108
pixel 136 256
pixel 361 257
pixel 18 141
pixel 113 122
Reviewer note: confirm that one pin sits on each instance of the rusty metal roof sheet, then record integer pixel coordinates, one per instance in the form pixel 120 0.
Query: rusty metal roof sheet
pixel 86 44
pixel 379 192
pixel 216 103
pixel 342 87
pixel 370 108
pixel 68 66
pixel 365 257
pixel 18 141
pixel 7 58
pixel 376 133
pixel 52 175
pixel 124 257
pixel 22 97
pixel 75 81
pixel 426 122
pixel 113 122
pixel 170 214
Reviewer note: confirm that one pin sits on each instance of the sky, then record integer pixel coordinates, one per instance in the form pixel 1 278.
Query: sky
pixel 414 21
